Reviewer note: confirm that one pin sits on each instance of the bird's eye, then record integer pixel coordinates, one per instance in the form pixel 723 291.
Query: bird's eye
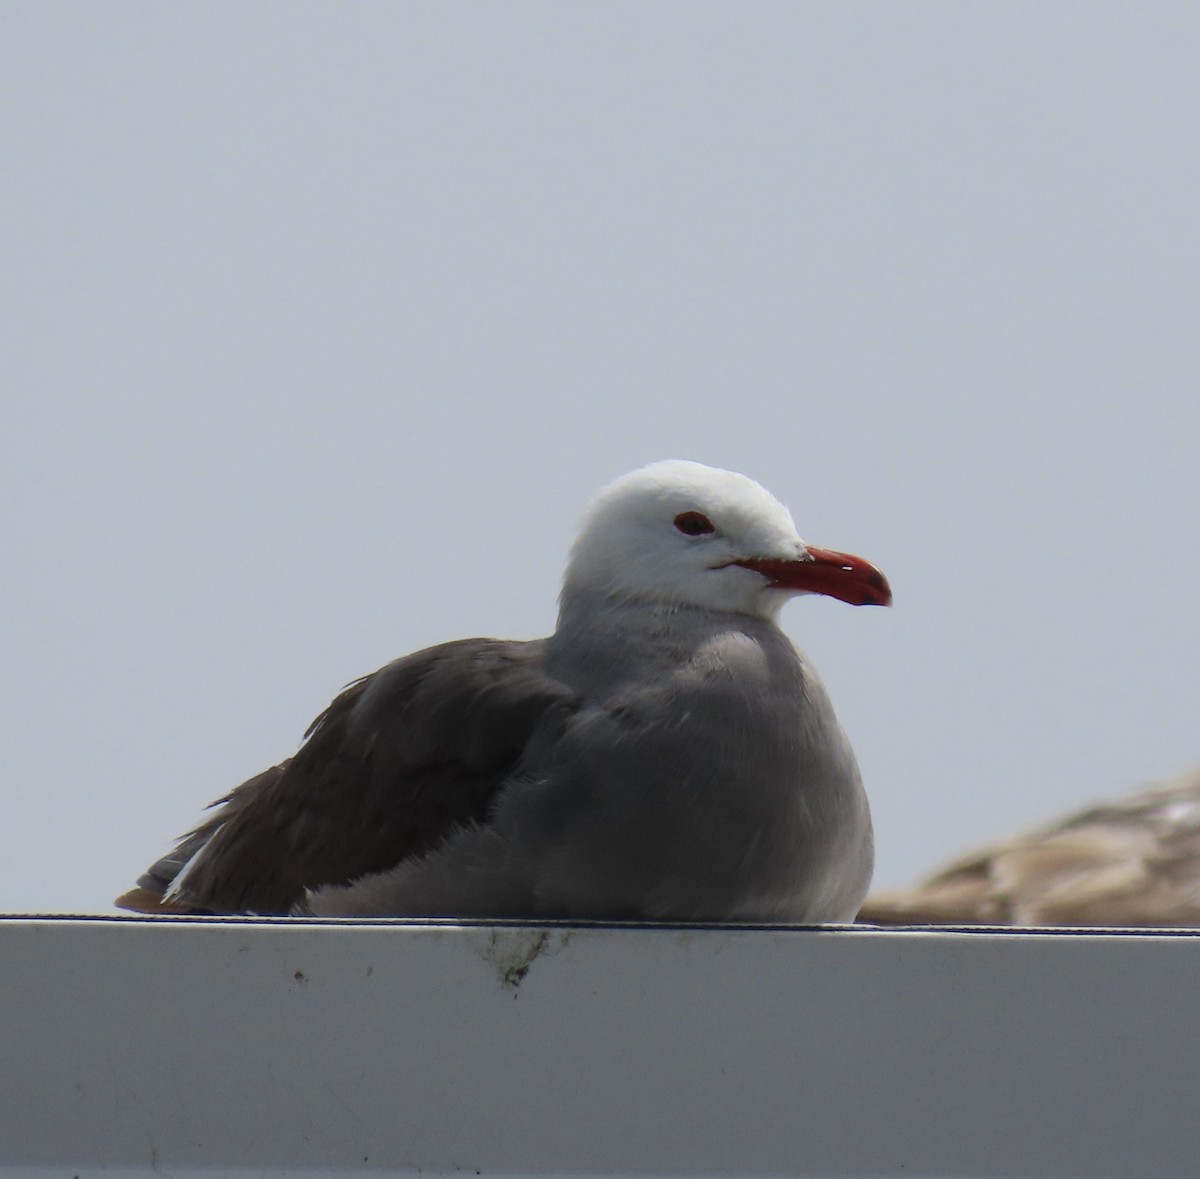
pixel 693 524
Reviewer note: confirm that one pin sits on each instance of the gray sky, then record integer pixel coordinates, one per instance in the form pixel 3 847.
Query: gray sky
pixel 322 322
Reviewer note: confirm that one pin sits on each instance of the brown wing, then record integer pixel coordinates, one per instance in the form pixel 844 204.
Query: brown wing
pixel 398 761
pixel 1135 861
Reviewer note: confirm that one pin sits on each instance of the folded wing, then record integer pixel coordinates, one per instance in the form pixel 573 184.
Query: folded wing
pixel 397 763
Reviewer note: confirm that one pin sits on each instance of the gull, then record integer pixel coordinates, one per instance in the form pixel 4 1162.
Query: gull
pixel 1134 861
pixel 666 754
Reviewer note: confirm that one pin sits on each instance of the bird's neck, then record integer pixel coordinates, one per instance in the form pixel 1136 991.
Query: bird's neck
pixel 581 611
pixel 624 632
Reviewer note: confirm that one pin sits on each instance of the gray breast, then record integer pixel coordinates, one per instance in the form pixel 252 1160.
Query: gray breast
pixel 708 780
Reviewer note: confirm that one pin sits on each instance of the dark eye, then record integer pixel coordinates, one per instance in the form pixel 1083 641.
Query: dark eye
pixel 693 524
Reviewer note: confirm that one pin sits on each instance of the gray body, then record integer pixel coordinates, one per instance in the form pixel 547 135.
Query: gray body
pixel 639 764
pixel 701 776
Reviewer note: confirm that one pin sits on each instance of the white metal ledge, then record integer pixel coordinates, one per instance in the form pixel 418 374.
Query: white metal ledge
pixel 176 1047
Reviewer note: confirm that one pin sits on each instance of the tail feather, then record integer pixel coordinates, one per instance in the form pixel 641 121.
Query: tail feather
pixel 153 891
pixel 157 890
pixel 152 902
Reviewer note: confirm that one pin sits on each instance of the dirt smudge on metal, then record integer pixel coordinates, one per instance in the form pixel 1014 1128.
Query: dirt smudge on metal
pixel 512 952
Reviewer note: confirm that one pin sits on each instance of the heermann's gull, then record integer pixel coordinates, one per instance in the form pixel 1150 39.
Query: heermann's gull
pixel 666 754
pixel 1135 861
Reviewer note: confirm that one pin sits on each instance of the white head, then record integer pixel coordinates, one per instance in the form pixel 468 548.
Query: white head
pixel 679 534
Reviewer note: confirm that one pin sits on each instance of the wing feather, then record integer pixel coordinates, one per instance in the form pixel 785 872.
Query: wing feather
pixel 1134 861
pixel 395 764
